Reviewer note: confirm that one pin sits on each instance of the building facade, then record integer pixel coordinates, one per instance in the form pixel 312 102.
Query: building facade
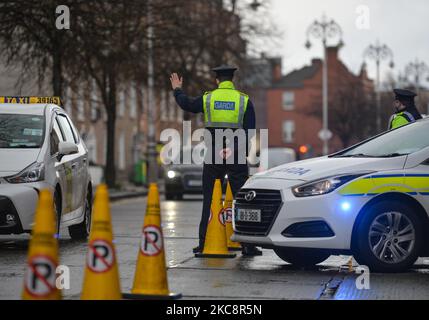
pixel 293 102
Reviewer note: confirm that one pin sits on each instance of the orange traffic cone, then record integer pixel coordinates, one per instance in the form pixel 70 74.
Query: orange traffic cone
pixel 40 275
pixel 227 211
pixel 101 279
pixel 215 245
pixel 150 281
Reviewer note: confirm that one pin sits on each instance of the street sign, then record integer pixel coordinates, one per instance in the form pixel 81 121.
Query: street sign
pixel 325 135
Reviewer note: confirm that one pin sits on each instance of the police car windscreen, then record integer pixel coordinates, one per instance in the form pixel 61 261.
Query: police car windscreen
pixel 19 131
pixel 403 141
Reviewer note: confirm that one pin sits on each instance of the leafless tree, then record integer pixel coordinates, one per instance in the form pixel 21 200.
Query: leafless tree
pixel 29 38
pixel 351 111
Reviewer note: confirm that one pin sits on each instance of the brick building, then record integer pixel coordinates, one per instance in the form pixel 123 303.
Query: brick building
pixel 290 98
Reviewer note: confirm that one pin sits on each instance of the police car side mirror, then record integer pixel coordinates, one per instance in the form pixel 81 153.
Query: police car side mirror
pixel 66 148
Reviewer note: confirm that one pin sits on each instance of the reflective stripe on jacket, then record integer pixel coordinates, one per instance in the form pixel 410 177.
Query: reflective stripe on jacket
pixel 225 107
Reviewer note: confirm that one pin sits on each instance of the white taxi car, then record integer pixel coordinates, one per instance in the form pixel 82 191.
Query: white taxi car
pixel 371 200
pixel 41 149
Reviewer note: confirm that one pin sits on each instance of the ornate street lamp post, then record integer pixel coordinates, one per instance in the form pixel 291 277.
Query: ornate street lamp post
pixel 324 30
pixel 378 52
pixel 417 70
pixel 151 137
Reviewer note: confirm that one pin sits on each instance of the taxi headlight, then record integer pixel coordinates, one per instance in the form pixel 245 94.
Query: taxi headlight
pixel 324 186
pixel 33 173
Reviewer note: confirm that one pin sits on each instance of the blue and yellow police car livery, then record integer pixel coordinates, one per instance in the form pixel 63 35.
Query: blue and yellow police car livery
pixel 371 200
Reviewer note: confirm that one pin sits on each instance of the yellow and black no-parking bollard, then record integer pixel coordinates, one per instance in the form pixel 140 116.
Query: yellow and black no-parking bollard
pixel 227 211
pixel 215 245
pixel 101 279
pixel 40 274
pixel 151 281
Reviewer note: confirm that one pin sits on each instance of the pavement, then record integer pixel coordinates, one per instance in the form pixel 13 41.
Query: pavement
pixel 265 277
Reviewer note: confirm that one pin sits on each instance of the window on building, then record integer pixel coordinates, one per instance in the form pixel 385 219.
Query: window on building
pixel 163 103
pixel 121 104
pixel 122 156
pixel 80 106
pixel 288 100
pixel 68 105
pixel 288 131
pixel 91 144
pixel 133 101
pixel 179 115
pixel 172 108
pixel 93 102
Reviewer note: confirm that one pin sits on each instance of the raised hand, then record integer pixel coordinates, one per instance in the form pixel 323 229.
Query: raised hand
pixel 176 82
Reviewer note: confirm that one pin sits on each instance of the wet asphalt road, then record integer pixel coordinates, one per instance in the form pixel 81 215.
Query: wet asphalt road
pixel 265 277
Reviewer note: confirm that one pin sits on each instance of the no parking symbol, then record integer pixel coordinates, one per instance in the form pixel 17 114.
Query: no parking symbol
pixel 228 215
pixel 151 244
pixel 101 256
pixel 222 217
pixel 40 276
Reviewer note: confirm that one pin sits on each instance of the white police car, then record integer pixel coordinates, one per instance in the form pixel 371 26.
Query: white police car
pixel 371 200
pixel 41 149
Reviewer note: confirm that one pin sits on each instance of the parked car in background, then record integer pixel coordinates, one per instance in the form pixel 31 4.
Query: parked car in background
pixel 181 179
pixel 271 158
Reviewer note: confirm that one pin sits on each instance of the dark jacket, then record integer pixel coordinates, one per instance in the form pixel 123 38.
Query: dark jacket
pixel 195 105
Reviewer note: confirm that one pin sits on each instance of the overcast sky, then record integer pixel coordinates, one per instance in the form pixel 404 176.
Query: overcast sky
pixel 401 24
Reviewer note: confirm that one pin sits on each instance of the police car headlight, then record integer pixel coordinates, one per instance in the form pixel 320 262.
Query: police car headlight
pixel 324 186
pixel 33 173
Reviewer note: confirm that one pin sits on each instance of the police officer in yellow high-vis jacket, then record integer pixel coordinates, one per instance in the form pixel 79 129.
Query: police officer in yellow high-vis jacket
pixel 406 110
pixel 224 108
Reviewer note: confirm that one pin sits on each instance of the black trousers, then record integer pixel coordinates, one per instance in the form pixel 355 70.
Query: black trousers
pixel 237 176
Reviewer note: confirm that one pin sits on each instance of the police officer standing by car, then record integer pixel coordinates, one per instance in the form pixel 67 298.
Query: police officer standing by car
pixel 224 108
pixel 405 107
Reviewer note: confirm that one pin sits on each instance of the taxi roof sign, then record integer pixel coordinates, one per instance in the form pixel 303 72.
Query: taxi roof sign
pixel 31 100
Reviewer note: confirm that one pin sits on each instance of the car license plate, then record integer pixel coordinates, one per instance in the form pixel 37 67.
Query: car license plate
pixel 195 183
pixel 249 215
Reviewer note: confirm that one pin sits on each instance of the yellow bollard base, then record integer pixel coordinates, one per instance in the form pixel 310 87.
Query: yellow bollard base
pixel 216 256
pixel 131 296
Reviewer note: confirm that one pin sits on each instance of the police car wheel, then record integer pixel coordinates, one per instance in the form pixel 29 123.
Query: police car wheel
pixel 301 257
pixel 389 237
pixel 81 231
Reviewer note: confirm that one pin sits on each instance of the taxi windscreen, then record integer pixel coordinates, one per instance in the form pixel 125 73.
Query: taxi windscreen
pixel 19 131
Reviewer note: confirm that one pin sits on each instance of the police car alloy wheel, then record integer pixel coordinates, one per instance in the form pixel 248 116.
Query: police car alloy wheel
pixel 389 237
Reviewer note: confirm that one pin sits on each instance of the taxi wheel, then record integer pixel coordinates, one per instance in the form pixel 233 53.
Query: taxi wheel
pixel 57 210
pixel 389 237
pixel 81 231
pixel 301 257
